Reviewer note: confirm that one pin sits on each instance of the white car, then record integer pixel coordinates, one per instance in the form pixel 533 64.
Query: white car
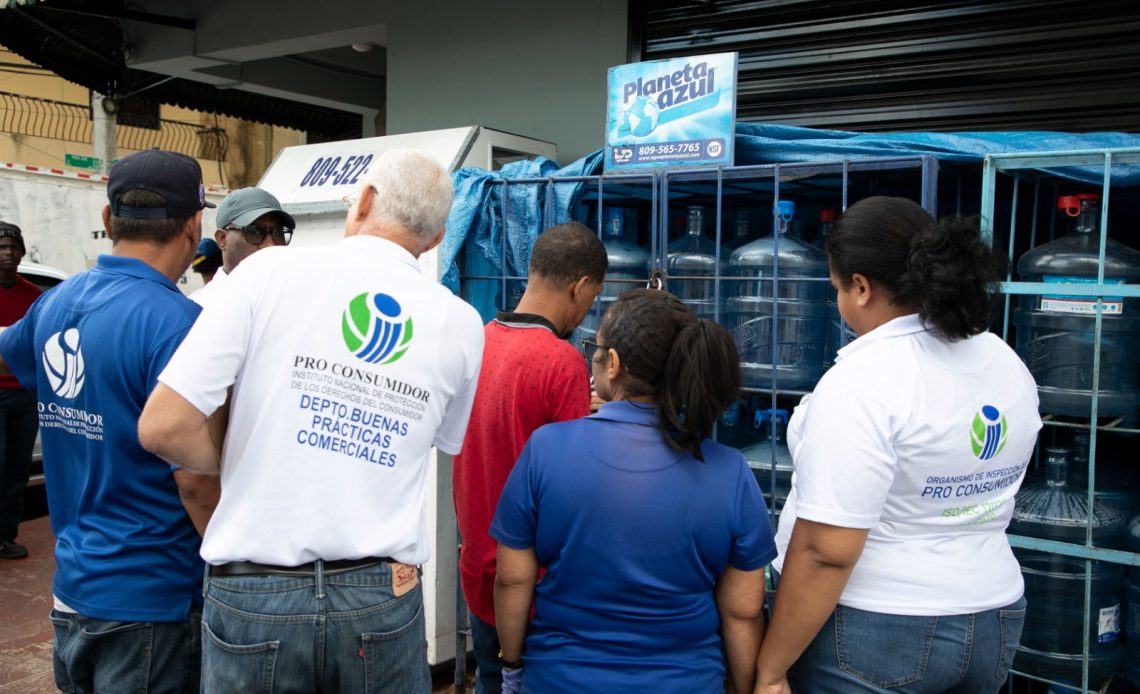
pixel 45 278
pixel 42 276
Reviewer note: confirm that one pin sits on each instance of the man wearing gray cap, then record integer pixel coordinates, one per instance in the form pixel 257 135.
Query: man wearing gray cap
pixel 248 220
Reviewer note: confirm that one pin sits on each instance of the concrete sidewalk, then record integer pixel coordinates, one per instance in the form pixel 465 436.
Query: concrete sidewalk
pixel 25 601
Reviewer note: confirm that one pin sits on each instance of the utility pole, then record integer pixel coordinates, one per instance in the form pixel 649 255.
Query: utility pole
pixel 103 127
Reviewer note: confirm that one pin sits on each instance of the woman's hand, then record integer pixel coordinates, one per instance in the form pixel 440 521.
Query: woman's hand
pixel 779 686
pixel 817 564
pixel 512 681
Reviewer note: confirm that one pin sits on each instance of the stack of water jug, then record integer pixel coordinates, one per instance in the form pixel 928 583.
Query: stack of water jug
pixel 1055 338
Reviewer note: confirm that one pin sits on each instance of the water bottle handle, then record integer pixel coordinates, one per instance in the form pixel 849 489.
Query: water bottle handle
pixel 760 417
pixel 786 210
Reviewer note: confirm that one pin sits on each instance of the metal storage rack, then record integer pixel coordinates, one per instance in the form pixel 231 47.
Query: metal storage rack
pixel 1031 188
pixel 941 189
pixel 658 195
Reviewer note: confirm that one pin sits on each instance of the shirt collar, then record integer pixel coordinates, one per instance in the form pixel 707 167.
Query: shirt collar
pixel 525 320
pixel 897 327
pixel 628 412
pixel 376 244
pixel 133 267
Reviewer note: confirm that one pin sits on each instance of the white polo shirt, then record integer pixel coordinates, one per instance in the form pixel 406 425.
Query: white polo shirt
pixel 348 365
pixel 925 443
pixel 207 292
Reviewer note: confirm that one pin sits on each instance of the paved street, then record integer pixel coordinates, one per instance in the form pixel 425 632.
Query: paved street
pixel 25 632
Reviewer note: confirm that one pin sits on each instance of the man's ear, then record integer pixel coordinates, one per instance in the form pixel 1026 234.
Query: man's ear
pixel 107 221
pixel 220 239
pixel 436 241
pixel 579 288
pixel 194 227
pixel 364 202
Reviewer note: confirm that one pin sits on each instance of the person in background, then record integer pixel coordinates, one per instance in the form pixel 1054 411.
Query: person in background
pixel 208 260
pixel 531 376
pixel 895 571
pixel 127 585
pixel 348 365
pixel 248 220
pixel 19 422
pixel 654 538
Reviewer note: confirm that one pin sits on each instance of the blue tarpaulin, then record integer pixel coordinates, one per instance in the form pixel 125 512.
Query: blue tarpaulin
pixel 479 204
pixel 479 207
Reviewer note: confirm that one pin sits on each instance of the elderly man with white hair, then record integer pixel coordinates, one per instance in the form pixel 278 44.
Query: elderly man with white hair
pixel 347 366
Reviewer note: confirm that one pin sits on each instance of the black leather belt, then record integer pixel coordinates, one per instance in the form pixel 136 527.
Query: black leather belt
pixel 249 568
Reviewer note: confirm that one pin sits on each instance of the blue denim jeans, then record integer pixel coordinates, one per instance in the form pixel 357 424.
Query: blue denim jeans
pixel 99 655
pixel 860 651
pixel 488 672
pixel 338 631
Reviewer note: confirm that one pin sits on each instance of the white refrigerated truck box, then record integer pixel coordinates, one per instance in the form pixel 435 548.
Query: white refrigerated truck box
pixel 60 215
pixel 312 183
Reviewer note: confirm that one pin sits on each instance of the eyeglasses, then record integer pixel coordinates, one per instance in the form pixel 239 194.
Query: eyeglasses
pixel 590 348
pixel 255 234
pixel 350 199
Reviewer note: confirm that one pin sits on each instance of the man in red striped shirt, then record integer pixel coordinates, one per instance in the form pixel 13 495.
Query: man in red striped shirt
pixel 531 376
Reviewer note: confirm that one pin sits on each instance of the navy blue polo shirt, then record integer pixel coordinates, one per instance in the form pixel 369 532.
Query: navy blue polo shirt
pixel 634 537
pixel 92 348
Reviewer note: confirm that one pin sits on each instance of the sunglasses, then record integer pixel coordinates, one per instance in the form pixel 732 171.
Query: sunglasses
pixel 255 234
pixel 591 347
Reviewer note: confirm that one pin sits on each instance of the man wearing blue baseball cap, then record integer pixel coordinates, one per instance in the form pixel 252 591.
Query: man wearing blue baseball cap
pixel 248 220
pixel 208 260
pixel 128 575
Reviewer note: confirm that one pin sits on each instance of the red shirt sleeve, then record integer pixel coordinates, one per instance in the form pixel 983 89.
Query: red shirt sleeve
pixel 569 391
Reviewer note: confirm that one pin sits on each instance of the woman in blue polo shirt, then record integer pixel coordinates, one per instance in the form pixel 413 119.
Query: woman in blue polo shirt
pixel 653 537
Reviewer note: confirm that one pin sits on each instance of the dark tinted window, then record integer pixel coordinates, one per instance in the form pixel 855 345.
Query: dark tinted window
pixel 44 282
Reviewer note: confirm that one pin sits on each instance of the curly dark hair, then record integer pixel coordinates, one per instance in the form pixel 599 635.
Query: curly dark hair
pixel 941 268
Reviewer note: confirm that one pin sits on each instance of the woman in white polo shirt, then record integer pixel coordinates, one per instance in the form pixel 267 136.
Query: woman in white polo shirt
pixel 895 572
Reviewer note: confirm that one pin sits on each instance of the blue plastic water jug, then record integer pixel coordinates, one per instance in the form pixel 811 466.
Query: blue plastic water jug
pixel 625 271
pixel 693 263
pixel 778 308
pixel 771 453
pixel 1051 641
pixel 1055 331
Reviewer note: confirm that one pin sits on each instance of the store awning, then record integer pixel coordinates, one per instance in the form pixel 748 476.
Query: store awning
pixel 71 41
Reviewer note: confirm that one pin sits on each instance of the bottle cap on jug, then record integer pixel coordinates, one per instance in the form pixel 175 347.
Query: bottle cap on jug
pixel 1071 204
pixel 828 215
pixel 786 209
